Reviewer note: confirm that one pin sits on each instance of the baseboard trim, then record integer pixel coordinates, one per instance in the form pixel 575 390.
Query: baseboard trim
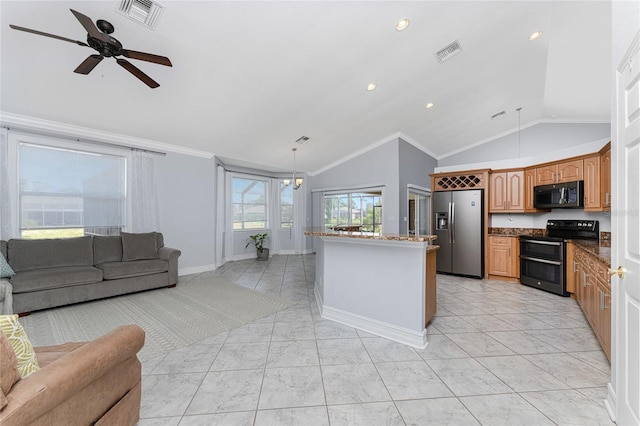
pixel 196 269
pixel 610 402
pixel 379 328
pixel 319 300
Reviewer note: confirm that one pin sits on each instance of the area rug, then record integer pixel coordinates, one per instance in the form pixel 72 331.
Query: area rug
pixel 171 317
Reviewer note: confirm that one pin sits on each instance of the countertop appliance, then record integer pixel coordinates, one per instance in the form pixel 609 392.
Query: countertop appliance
pixel 566 195
pixel 542 259
pixel 459 225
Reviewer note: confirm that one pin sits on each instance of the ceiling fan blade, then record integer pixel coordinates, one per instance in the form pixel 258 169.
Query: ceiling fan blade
pixel 88 64
pixel 132 54
pixel 137 72
pixel 28 30
pixel 88 24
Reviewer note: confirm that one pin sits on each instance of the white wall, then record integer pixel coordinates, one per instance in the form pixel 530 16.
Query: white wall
pixel 186 188
pixel 534 141
pixel 415 166
pixel 378 167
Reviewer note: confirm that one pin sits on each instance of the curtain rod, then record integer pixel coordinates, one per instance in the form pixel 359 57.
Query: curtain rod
pixel 86 141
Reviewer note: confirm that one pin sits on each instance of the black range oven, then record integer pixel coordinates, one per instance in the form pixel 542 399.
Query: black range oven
pixel 542 259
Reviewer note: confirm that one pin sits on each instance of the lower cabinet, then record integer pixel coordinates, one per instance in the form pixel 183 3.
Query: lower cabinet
pixel 592 291
pixel 504 258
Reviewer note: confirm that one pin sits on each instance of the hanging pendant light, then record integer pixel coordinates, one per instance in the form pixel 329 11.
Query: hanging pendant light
pixel 297 182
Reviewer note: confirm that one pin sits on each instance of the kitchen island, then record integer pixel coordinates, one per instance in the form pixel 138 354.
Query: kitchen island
pixel 381 284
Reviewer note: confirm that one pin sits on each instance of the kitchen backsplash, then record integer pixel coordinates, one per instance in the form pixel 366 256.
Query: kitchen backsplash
pixel 605 237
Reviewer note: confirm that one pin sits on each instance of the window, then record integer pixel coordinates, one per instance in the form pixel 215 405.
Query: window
pixel 286 205
pixel 66 192
pixel 249 203
pixel 354 209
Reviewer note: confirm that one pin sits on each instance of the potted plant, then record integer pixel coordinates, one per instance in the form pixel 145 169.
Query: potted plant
pixel 258 241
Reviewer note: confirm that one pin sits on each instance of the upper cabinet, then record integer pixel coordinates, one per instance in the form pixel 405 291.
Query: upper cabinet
pixel 565 171
pixel 605 177
pixel 592 183
pixel 597 180
pixel 507 192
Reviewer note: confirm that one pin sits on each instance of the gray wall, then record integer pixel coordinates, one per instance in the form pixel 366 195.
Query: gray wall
pixel 415 167
pixel 534 141
pixel 378 167
pixel 186 188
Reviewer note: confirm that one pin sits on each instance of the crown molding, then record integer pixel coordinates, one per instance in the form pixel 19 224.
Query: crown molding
pixel 54 128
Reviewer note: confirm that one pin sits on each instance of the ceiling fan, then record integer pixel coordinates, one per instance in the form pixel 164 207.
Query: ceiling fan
pixel 98 38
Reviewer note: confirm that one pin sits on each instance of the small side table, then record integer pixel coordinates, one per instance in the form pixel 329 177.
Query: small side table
pixel 6 297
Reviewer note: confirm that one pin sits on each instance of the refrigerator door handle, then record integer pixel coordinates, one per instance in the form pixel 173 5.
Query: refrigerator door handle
pixel 452 216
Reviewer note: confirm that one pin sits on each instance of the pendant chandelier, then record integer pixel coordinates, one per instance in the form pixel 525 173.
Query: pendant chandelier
pixel 297 182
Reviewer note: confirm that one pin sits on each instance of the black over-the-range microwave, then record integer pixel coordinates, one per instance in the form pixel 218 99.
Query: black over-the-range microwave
pixel 567 195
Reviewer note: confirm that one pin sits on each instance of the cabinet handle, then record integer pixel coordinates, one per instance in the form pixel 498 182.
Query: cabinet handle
pixel 601 300
pixel 584 279
pixel 575 266
pixel 606 199
pixel 604 303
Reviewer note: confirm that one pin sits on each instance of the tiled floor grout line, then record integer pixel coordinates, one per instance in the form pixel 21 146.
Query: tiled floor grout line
pixel 296 281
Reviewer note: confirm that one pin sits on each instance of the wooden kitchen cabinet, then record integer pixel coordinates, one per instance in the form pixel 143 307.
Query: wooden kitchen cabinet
pixel 504 258
pixel 592 199
pixel 605 177
pixel 592 292
pixel 507 192
pixel 604 317
pixel 564 171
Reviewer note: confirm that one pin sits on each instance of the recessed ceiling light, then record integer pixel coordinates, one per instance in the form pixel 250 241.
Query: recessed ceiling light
pixel 402 24
pixel 371 86
pixel 429 105
pixel 535 35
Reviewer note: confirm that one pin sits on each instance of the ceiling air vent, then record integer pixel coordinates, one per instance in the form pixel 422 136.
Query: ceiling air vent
pixel 302 140
pixel 449 51
pixel 145 12
pixel 498 114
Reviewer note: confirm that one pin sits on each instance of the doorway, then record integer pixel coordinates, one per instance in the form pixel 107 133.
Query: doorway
pixel 419 211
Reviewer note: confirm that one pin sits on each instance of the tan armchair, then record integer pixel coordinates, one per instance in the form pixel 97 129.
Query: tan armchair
pixel 98 382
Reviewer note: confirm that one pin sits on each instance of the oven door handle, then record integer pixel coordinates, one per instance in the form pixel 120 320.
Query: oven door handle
pixel 533 259
pixel 546 243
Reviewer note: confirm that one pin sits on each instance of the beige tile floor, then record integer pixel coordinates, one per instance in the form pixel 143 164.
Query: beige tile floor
pixel 498 354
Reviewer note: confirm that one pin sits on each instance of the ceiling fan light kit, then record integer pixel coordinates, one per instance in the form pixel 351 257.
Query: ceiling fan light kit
pixel 99 39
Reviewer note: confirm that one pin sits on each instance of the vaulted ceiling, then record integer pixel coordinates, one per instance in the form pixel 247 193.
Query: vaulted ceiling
pixel 249 78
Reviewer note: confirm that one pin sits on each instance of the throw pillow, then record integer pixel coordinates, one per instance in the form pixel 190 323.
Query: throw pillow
pixel 139 246
pixel 12 329
pixel 5 268
pixel 9 373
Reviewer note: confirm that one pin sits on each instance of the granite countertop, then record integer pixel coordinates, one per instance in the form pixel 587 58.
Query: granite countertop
pixel 593 247
pixel 322 232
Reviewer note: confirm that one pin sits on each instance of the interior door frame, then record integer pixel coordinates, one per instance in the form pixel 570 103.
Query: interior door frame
pixel 426 192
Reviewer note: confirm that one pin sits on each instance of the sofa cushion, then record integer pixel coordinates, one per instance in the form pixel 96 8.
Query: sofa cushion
pixel 12 329
pixel 5 268
pixel 116 270
pixel 107 249
pixel 139 246
pixel 43 279
pixel 25 255
pixel 9 373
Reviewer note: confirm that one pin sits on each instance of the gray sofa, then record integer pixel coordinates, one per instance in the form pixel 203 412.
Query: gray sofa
pixel 63 271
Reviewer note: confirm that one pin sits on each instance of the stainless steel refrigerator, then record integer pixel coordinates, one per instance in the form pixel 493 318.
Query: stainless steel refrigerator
pixel 459 225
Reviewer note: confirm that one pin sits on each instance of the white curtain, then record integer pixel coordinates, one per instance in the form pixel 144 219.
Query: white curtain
pixel 6 203
pixel 144 199
pixel 220 217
